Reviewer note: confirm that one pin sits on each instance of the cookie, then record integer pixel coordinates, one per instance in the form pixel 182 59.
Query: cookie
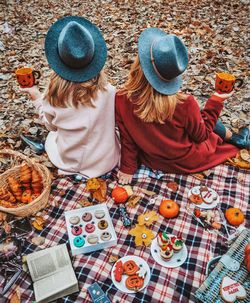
pixel 130 267
pixel 141 272
pixel 92 239
pixel 76 230
pixel 118 271
pixel 103 224
pixel 232 290
pixel 195 190
pixel 99 214
pixel 106 236
pixel 90 228
pixel 209 196
pixel 86 217
pixel 79 241
pixel 134 282
pixel 74 220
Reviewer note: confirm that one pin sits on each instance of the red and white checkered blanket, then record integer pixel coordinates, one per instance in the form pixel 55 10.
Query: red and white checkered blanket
pixel 166 285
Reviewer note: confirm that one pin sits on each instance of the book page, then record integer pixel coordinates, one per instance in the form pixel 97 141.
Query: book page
pixel 56 286
pixel 48 261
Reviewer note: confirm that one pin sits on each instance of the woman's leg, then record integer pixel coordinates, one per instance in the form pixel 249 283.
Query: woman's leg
pixel 240 140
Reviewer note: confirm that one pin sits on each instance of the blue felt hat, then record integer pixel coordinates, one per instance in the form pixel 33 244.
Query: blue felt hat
pixel 163 59
pixel 75 49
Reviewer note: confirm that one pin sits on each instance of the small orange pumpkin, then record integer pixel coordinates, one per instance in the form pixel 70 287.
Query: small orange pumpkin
pixel 119 194
pixel 234 216
pixel 169 209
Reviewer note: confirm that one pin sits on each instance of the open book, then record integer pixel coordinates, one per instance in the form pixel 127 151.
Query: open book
pixel 52 273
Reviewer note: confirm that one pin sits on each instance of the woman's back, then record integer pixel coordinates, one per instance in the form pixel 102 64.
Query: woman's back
pixel 83 139
pixel 182 145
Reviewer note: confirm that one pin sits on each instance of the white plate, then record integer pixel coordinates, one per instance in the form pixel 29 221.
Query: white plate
pixel 177 260
pixel 204 205
pixel 121 285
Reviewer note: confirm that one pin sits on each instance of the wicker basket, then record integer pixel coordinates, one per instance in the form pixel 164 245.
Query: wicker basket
pixel 41 201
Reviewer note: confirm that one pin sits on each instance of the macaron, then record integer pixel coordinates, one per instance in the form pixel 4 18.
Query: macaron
pixel 106 236
pixel 99 214
pixel 103 224
pixel 90 228
pixel 79 241
pixel 92 239
pixel 74 220
pixel 86 217
pixel 76 230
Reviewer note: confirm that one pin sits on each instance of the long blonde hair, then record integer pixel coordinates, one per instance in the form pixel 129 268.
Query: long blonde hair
pixel 150 106
pixel 64 93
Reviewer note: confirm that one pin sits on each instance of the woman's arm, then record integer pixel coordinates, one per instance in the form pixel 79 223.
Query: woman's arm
pixel 200 124
pixel 45 115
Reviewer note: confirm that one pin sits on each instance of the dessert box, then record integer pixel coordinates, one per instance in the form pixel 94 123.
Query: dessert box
pixel 231 265
pixel 90 229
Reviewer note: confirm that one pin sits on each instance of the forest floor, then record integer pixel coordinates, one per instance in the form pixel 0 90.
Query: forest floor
pixel 217 34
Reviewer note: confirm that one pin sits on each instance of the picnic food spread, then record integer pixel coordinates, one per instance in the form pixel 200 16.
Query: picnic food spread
pixel 92 229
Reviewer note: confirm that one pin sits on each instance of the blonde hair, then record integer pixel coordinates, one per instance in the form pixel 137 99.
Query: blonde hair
pixel 150 105
pixel 64 93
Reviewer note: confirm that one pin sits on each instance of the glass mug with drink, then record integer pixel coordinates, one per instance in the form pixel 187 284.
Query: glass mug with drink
pixel 27 77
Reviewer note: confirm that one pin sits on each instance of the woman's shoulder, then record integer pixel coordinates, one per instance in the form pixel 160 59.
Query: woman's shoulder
pixel 187 100
pixel 120 97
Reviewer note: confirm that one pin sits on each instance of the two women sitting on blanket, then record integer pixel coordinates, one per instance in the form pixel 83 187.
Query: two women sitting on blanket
pixel 159 126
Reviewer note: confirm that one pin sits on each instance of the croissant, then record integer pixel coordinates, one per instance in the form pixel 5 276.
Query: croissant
pixel 37 184
pixel 7 195
pixel 25 176
pixel 7 204
pixel 15 187
pixel 26 196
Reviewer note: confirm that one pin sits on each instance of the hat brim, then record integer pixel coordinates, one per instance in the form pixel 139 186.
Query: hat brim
pixel 72 74
pixel 144 45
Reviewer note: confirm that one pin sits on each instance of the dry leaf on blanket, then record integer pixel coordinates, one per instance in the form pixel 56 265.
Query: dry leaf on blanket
pixel 38 223
pixel 93 184
pixel 6 227
pixel 198 176
pixel 100 193
pixel 3 217
pixel 84 202
pixel 173 186
pixel 16 297
pixel 142 235
pixel 133 200
pixel 38 240
pixel 98 189
pixel 113 258
pixel 148 218
pixel 147 192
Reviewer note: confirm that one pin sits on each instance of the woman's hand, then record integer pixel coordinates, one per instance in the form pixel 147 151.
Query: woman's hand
pixel 32 91
pixel 224 96
pixel 124 178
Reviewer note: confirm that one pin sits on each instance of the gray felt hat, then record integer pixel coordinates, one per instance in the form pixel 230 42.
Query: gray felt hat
pixel 163 59
pixel 75 49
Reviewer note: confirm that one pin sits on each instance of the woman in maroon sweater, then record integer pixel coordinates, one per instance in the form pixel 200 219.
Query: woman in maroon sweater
pixel 164 129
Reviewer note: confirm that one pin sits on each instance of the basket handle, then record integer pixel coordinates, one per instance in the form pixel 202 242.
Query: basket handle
pixel 17 154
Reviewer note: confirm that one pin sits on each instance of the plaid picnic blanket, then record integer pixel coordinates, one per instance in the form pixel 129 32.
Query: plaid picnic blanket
pixel 166 285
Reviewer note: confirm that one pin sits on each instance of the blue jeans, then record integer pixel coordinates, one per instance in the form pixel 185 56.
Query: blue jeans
pixel 220 129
